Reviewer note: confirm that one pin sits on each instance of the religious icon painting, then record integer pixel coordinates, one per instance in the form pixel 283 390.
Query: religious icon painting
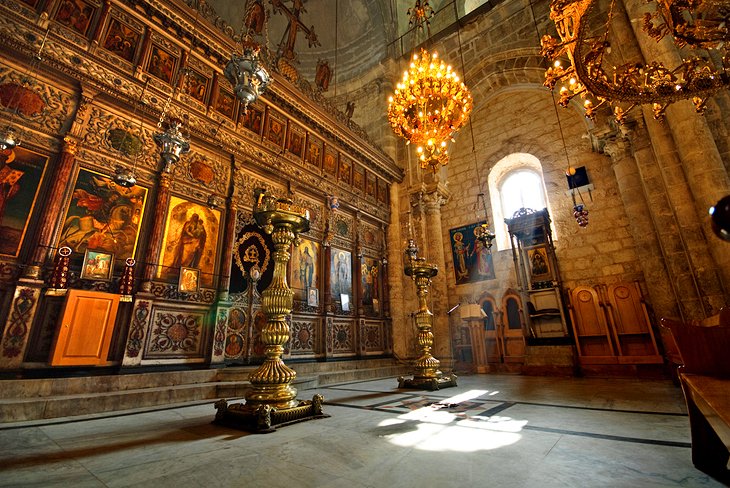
pixel 190 240
pixel 296 142
pixel 345 170
pixel 20 179
pixel 340 272
pixel 304 267
pixel 382 191
pixel 103 215
pixel 371 188
pixel 275 129
pixel 75 14
pixel 196 85
pixel 253 119
pixel 370 283
pixel 189 280
pixel 97 265
pixel 472 260
pixel 330 161
pixel 358 178
pixel 313 297
pixel 314 151
pixel 225 104
pixel 538 264
pixel 252 259
pixel 121 39
pixel 161 64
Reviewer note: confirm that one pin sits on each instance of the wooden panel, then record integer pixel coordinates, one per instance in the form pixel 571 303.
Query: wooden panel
pixel 512 329
pixel 630 322
pixel 86 329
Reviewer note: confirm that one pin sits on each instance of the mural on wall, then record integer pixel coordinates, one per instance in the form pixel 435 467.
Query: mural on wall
pixel 472 261
pixel 20 180
pixel 370 281
pixel 304 268
pixel 190 240
pixel 341 273
pixel 103 216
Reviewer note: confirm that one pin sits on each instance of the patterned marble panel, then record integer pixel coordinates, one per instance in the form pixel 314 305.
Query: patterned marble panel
pixel 175 333
pixel 372 337
pixel 305 336
pixel 343 337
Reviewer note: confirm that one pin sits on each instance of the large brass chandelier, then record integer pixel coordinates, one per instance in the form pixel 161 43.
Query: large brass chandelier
pixel 699 26
pixel 429 106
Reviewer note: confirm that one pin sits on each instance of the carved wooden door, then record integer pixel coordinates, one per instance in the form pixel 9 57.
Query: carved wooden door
pixel 86 329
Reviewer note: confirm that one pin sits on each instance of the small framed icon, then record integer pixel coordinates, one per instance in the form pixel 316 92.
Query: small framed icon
pixel 97 265
pixel 312 297
pixel 189 280
pixel 345 300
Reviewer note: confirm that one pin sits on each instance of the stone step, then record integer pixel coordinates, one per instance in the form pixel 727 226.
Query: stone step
pixel 53 398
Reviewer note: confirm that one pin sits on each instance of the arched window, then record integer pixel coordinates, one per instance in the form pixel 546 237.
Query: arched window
pixel 515 182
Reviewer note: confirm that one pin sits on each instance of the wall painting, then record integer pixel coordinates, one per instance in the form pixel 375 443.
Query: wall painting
pixel 75 14
pixel 121 40
pixel 305 268
pixel 472 261
pixel 103 216
pixel 20 180
pixel 253 119
pixel 314 151
pixel 190 240
pixel 162 64
pixel 341 273
pixel 370 281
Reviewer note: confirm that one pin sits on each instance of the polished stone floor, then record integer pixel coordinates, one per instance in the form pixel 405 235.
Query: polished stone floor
pixel 491 430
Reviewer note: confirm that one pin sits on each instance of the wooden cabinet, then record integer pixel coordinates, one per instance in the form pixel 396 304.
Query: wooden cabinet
pixel 86 329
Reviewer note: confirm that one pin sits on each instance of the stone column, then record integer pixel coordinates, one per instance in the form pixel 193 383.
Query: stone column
pixel 705 171
pixel 158 227
pixel 326 299
pixel 402 332
pixel 662 293
pixel 434 197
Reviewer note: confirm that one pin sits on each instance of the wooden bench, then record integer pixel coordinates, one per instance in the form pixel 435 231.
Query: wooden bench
pixel 705 378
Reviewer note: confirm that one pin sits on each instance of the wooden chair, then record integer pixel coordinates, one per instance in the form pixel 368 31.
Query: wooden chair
pixel 630 324
pixel 590 329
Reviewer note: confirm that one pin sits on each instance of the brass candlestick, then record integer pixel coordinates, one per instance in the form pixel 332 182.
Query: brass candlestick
pixel 272 400
pixel 427 374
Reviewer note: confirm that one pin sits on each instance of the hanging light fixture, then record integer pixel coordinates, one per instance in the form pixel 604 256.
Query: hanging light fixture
pixel 428 107
pixel 172 143
pixel 419 15
pixel 245 70
pixel 699 27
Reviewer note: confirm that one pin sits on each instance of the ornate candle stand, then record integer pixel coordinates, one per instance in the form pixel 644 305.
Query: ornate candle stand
pixel 272 401
pixel 427 375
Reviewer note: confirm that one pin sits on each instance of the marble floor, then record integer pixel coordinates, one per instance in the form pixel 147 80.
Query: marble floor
pixel 491 430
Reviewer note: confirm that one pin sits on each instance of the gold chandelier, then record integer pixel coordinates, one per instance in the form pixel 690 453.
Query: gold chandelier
pixel 693 24
pixel 428 107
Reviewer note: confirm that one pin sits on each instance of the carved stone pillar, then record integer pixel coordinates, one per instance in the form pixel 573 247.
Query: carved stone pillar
pixel 706 174
pixel 434 198
pixel 158 226
pixel 327 302
pixel 648 247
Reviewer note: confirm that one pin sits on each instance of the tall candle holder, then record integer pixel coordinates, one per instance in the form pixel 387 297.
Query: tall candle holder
pixel 271 401
pixel 427 375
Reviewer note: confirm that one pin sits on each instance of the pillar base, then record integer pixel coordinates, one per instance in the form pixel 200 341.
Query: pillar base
pixel 426 383
pixel 263 418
